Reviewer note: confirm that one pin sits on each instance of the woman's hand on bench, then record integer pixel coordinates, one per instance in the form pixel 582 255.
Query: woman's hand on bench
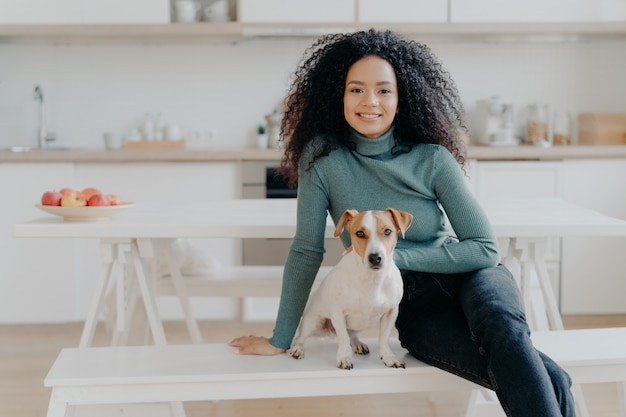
pixel 255 345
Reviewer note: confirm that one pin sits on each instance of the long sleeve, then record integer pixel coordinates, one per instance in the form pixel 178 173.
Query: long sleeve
pixel 305 257
pixel 477 247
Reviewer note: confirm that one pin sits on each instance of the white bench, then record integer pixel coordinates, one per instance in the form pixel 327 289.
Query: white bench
pixel 176 373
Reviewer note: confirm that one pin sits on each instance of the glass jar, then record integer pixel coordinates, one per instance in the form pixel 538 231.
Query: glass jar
pixel 562 128
pixel 538 125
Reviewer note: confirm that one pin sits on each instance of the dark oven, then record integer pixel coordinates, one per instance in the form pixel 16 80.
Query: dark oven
pixel 259 180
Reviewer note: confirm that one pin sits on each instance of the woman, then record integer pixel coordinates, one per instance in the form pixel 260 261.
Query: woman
pixel 373 121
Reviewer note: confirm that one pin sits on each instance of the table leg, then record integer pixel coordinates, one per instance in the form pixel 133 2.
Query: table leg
pixel 183 295
pixel 121 335
pixel 526 288
pixel 579 398
pixel 531 255
pixel 149 301
pixel 537 254
pixel 107 270
pixel 57 407
pixel 517 261
pixel 621 398
pixel 121 301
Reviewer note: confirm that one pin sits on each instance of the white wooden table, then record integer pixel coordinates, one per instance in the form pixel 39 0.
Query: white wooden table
pixel 524 225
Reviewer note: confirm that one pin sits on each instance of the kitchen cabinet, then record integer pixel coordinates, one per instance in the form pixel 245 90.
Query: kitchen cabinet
pixel 125 11
pixel 587 274
pixel 520 179
pixel 140 21
pixel 594 268
pixel 228 32
pixel 403 11
pixel 37 276
pixel 44 281
pixel 40 11
pixel 296 11
pixel 84 11
pixel 535 11
pixel 523 179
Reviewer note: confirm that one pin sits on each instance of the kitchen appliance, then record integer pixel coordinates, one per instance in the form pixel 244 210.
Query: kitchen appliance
pixel 259 180
pixel 494 124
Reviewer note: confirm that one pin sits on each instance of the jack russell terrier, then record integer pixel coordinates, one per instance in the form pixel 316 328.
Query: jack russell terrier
pixel 364 288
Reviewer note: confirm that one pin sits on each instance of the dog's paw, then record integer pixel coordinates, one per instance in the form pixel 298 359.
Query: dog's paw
pixel 360 348
pixel 345 363
pixel 393 362
pixel 296 352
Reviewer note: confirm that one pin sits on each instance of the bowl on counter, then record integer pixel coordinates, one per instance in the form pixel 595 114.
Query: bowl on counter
pixel 85 213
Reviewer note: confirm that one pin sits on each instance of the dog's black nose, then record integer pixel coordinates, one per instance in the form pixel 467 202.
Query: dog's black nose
pixel 375 259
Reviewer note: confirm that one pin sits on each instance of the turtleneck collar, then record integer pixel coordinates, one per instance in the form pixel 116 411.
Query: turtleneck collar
pixel 373 146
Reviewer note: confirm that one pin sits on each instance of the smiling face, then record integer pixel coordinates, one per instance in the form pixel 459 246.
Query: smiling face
pixel 370 98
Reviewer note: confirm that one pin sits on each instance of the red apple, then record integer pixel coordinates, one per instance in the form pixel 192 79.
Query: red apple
pixel 66 190
pixel 98 200
pixel 114 199
pixel 89 191
pixel 51 198
pixel 73 199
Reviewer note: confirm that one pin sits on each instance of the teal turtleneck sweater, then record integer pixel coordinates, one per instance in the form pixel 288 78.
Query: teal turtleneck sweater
pixel 427 182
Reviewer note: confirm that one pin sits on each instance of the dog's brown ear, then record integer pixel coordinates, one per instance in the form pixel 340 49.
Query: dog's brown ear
pixel 402 219
pixel 343 220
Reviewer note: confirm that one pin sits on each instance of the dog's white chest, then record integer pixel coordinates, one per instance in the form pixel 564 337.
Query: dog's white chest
pixel 363 289
pixel 362 295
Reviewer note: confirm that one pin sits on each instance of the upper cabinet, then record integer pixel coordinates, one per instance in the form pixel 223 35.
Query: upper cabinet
pixel 342 11
pixel 403 11
pixel 126 11
pixel 537 11
pixel 296 11
pixel 150 21
pixel 35 12
pixel 40 11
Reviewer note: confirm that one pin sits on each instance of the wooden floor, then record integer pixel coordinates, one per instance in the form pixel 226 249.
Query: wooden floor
pixel 28 351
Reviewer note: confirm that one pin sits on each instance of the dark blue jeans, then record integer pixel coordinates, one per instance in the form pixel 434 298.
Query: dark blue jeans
pixel 473 325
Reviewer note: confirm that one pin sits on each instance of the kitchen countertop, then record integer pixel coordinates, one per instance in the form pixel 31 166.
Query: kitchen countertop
pixel 238 155
pixel 143 155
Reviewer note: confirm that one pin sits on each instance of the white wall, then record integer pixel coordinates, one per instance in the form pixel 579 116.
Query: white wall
pixel 229 87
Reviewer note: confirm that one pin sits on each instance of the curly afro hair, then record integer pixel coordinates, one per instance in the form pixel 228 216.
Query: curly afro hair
pixel 430 110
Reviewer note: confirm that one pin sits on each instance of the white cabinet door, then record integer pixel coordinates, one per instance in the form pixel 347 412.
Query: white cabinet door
pixel 520 179
pixel 594 268
pixel 126 11
pixel 37 275
pixel 403 11
pixel 40 11
pixel 523 179
pixel 529 11
pixel 296 11
pixel 84 11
